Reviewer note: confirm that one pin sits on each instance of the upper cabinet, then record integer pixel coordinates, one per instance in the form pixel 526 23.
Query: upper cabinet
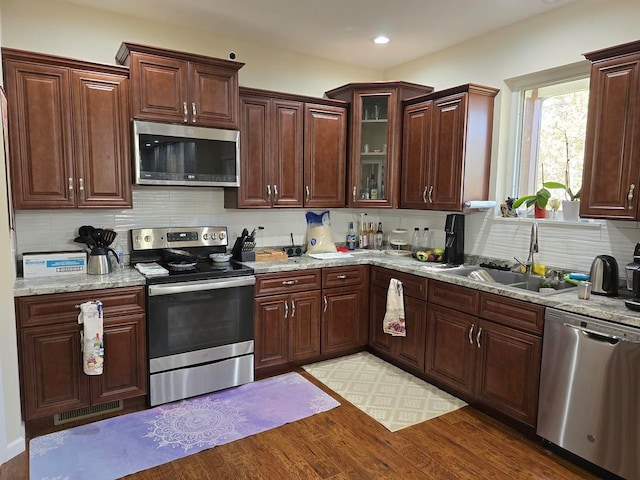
pixel 292 152
pixel 375 139
pixel 611 175
pixel 177 87
pixel 68 132
pixel 447 148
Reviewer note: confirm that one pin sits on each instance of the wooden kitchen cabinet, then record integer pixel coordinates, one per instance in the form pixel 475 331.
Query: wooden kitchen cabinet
pixel 287 318
pixel 178 87
pixel 375 139
pixel 447 148
pixel 406 351
pixel 485 347
pixel 345 309
pixel 51 376
pixel 292 152
pixel 69 132
pixel 611 172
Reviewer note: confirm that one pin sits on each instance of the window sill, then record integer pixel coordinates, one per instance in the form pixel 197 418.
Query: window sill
pixel 584 223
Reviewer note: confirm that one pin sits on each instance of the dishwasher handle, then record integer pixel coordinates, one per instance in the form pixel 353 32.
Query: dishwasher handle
pixel 598 336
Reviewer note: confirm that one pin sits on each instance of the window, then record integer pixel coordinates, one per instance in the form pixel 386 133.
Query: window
pixel 553 119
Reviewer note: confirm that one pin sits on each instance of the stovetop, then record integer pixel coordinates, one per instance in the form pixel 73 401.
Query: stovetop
pixel 149 245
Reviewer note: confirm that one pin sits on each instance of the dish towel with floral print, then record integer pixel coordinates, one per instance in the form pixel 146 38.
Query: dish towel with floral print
pixel 393 322
pixel 92 337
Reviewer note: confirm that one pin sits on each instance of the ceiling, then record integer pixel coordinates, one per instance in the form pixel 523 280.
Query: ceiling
pixel 340 30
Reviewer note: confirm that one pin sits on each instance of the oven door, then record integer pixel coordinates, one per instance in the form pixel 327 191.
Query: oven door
pixel 195 322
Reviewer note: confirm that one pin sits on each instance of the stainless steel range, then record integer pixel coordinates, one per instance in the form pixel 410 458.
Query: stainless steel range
pixel 199 311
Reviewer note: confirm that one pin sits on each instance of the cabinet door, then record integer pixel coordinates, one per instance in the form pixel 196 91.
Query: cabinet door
pixel 344 319
pixel 271 331
pixel 373 166
pixel 410 350
pixel 255 153
pixel 286 144
pixel 611 174
pixel 125 361
pixel 213 96
pixel 52 379
pixel 508 372
pixel 159 88
pixel 414 187
pixel 325 150
pixel 304 325
pixel 378 340
pixel 445 160
pixel 41 168
pixel 102 148
pixel 451 352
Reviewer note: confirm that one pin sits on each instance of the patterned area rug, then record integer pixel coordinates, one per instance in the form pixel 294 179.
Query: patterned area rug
pixel 119 446
pixel 386 393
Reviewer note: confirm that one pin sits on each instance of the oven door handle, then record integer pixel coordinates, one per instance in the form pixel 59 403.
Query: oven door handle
pixel 201 285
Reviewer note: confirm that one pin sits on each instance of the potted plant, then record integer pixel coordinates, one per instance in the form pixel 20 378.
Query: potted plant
pixel 539 200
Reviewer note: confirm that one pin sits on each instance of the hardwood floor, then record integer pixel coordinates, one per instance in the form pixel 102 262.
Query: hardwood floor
pixel 345 443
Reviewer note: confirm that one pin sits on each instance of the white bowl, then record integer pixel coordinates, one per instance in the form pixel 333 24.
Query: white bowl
pixel 220 257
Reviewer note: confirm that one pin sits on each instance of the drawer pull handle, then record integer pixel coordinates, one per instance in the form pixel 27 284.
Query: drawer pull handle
pixel 430 194
pixel 630 195
pixel 289 282
pixel 424 195
pixel 478 337
pixel 471 334
pixel 342 277
pixel 326 303
pixel 306 188
pixel 293 309
pixel 286 309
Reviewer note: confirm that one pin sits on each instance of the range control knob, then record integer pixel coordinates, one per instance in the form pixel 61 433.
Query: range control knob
pixel 205 236
pixel 214 236
pixel 148 238
pixel 222 235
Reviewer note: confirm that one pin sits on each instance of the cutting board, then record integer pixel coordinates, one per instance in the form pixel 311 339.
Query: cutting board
pixel 268 255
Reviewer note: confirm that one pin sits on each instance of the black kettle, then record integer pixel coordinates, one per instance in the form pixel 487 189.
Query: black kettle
pixel 604 276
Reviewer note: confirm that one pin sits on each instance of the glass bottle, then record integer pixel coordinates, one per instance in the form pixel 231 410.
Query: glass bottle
pixel 351 237
pixel 373 188
pixel 415 241
pixel 379 236
pixel 363 239
pixel 119 264
pixel 427 242
pixel 371 236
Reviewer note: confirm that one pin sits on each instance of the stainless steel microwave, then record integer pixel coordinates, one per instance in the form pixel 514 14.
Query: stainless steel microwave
pixel 166 154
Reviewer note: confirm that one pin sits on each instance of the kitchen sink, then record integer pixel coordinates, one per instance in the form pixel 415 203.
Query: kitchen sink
pixel 531 283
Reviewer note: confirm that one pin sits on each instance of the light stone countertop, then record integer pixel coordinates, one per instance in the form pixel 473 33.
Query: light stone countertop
pixel 76 283
pixel 605 308
pixel 598 306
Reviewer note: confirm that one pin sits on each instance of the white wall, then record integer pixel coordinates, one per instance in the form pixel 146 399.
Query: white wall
pixel 12 439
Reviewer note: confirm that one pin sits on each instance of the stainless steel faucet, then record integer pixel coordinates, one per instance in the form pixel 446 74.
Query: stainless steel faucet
pixel 533 248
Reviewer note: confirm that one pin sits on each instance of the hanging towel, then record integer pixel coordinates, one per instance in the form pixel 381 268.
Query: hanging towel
pixel 91 337
pixel 393 322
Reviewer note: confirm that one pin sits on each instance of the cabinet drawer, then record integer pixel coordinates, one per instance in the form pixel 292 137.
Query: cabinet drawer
pixel 343 276
pixel 63 307
pixel 286 282
pixel 413 286
pixel 512 313
pixel 455 297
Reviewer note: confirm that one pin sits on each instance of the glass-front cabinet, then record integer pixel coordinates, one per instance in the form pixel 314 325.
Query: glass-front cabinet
pixel 375 130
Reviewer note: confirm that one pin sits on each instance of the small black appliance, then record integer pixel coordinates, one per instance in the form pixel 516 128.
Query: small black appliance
pixel 454 239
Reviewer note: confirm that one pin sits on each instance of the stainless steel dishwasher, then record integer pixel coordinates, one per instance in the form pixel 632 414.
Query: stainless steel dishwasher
pixel 590 390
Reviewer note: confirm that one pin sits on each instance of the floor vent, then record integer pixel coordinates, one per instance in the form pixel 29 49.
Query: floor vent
pixel 86 412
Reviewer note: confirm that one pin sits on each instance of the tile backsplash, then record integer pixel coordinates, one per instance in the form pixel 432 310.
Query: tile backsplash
pixel 570 246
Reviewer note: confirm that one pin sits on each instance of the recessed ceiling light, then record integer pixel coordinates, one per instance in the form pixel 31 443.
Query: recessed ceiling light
pixel 381 40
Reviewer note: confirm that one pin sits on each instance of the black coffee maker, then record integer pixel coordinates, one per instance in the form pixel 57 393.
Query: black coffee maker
pixel 634 303
pixel 454 239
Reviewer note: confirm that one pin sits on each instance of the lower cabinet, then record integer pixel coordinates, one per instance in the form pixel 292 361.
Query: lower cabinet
pixel 310 314
pixel 345 308
pixel 487 347
pixel 287 317
pixel 406 351
pixel 51 375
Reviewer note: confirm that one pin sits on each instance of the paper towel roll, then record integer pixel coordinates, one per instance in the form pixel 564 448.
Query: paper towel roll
pixel 480 204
